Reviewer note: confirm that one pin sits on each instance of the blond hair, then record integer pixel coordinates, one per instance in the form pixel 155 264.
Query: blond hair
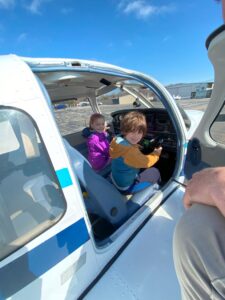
pixel 94 117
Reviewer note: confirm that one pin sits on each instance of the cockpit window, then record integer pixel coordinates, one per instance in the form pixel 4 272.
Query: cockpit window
pixel 30 196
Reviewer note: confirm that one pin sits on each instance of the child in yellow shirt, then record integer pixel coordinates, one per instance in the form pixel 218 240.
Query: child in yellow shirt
pixel 127 159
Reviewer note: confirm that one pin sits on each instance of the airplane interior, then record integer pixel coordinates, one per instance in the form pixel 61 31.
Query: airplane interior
pixel 102 200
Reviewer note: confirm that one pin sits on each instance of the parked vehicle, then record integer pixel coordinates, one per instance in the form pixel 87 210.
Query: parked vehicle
pixel 60 106
pixel 83 103
pixel 177 97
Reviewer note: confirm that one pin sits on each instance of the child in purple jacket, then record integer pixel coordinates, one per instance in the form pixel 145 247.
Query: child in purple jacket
pixel 97 143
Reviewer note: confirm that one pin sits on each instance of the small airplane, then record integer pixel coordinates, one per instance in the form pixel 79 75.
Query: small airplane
pixel 66 232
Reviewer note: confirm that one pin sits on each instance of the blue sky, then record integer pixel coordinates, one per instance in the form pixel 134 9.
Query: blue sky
pixel 162 38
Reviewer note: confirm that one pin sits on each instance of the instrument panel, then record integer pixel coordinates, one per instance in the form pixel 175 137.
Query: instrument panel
pixel 158 124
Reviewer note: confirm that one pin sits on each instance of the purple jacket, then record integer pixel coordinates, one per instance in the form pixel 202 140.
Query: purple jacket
pixel 98 150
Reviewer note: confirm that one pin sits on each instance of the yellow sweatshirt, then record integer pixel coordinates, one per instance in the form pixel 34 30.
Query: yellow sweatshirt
pixel 127 159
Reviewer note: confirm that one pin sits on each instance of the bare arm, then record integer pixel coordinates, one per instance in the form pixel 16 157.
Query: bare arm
pixel 207 187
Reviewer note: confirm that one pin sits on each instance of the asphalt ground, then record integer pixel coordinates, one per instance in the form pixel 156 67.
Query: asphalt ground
pixel 199 104
pixel 73 119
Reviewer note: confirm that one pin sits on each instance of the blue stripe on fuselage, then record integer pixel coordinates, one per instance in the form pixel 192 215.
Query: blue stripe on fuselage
pixel 28 267
pixel 64 177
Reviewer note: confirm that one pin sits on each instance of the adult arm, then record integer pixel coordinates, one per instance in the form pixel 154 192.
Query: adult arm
pixel 207 187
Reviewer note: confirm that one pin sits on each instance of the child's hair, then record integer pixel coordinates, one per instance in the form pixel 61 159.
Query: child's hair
pixel 94 117
pixel 132 122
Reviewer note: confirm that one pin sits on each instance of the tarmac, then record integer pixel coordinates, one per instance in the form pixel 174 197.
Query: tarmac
pixel 73 119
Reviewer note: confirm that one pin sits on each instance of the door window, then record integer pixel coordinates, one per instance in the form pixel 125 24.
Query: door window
pixel 217 130
pixel 30 196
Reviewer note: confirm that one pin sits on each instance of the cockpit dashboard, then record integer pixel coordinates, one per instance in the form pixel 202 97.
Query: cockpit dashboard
pixel 158 124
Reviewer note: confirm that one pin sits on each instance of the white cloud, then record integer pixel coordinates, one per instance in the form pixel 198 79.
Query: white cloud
pixel 7 4
pixel 35 6
pixel 140 8
pixel 21 37
pixel 143 10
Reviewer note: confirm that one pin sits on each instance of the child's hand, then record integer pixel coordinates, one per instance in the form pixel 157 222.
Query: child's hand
pixel 157 151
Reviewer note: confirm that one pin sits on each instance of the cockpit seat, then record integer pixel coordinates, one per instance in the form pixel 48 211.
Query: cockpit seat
pixel 103 198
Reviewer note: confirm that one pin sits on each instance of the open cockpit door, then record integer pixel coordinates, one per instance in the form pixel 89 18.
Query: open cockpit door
pixel 207 146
